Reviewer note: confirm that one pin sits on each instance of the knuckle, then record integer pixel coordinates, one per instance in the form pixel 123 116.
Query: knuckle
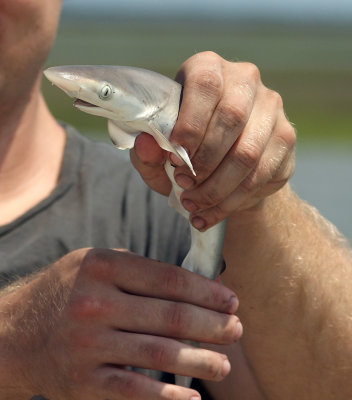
pixel 87 307
pixel 246 155
pixel 97 264
pixel 276 98
pixel 213 369
pixel 175 319
pixel 207 56
pixel 91 262
pixel 158 354
pixel 288 136
pixel 74 260
pixel 80 254
pixel 209 82
pixel 124 384
pixel 209 198
pixel 218 213
pixel 210 55
pixel 231 115
pixel 284 173
pixel 174 281
pixel 202 160
pixel 191 129
pixel 250 184
pixel 252 71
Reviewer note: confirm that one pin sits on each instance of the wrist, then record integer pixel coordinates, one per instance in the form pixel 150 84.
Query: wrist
pixel 264 212
pixel 256 236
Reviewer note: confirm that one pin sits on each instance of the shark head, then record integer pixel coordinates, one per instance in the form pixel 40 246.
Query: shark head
pixel 114 92
pixel 132 99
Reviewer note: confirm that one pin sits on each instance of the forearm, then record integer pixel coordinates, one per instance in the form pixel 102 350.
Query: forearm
pixel 293 276
pixel 25 319
pixel 13 375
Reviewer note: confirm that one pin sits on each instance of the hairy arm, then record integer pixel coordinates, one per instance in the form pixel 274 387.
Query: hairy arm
pixel 293 273
pixel 30 308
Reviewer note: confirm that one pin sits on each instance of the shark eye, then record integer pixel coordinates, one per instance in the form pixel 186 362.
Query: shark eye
pixel 105 92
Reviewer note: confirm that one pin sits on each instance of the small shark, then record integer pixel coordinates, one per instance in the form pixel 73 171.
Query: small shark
pixel 136 100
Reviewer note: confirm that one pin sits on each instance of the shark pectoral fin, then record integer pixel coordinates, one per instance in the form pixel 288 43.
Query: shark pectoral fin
pixel 165 144
pixel 122 137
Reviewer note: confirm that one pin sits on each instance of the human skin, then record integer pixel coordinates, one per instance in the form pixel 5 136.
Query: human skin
pixel 27 29
pixel 291 268
pixel 237 135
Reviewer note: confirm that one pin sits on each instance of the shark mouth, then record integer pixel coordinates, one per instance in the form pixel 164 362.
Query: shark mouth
pixel 79 102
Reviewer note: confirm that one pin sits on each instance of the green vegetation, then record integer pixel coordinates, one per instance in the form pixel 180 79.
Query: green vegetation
pixel 309 65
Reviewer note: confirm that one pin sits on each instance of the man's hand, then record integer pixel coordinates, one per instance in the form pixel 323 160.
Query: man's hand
pixel 237 135
pixel 70 332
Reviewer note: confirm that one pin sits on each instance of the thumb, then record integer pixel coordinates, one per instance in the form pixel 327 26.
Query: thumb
pixel 149 159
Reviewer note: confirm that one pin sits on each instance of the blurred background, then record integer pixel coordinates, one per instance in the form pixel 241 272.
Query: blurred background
pixel 303 49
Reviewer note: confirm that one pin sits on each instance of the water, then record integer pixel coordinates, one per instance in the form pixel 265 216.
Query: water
pixel 323 177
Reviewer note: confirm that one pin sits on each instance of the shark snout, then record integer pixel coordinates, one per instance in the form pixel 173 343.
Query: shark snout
pixel 69 82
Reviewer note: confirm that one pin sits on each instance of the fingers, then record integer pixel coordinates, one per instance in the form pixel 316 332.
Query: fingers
pixel 120 384
pixel 249 194
pixel 244 149
pixel 154 298
pixel 150 278
pixel 233 89
pixel 171 319
pixel 203 87
pixel 237 164
pixel 274 168
pixel 126 312
pixel 230 113
pixel 162 354
pixel 259 163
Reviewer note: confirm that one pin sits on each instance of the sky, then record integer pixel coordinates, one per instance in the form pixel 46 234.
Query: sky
pixel 294 9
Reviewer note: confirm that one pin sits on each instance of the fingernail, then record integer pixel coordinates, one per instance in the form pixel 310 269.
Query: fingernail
pixel 195 398
pixel 189 205
pixel 226 367
pixel 239 330
pixel 176 160
pixel 233 305
pixel 184 181
pixel 198 223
